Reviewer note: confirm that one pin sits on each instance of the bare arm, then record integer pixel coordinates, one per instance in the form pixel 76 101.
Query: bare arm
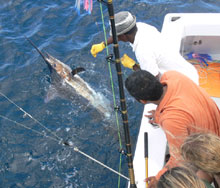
pixel 109 41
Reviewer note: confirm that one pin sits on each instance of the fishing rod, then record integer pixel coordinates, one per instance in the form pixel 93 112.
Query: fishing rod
pixel 109 4
pixel 146 155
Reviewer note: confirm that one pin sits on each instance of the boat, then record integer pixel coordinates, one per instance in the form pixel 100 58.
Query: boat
pixel 196 36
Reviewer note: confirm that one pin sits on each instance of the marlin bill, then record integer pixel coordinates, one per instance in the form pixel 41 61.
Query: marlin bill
pixel 66 83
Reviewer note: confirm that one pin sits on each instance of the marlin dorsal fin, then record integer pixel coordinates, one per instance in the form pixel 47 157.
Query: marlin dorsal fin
pixel 77 70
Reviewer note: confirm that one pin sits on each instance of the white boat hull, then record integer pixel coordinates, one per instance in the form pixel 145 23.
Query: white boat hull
pixel 187 32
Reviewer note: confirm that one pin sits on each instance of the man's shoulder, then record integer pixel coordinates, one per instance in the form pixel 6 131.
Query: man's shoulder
pixel 142 25
pixel 172 75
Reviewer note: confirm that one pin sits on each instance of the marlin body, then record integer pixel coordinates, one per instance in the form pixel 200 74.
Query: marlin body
pixel 67 84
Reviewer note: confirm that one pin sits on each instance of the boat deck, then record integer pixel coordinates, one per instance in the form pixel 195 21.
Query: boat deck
pixel 188 32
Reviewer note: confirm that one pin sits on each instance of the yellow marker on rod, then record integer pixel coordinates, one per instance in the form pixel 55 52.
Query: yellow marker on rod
pixel 146 155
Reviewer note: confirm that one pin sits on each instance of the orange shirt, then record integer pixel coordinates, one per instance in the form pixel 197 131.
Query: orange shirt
pixel 186 108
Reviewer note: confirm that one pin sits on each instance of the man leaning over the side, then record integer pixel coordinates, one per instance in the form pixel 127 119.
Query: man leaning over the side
pixel 152 52
pixel 182 107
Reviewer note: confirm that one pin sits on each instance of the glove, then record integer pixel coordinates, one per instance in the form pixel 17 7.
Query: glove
pixel 96 48
pixel 127 61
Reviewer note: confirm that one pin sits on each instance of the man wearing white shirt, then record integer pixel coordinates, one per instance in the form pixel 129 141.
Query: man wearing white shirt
pixel 148 44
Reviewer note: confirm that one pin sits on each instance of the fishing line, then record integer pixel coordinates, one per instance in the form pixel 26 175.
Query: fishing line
pixel 76 149
pixel 57 139
pixel 22 125
pixel 113 92
pixel 124 113
pixel 26 113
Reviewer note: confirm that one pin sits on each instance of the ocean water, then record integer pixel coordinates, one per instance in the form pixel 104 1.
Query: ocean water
pixel 29 159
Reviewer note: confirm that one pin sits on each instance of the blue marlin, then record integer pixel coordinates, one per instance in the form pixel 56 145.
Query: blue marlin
pixel 66 83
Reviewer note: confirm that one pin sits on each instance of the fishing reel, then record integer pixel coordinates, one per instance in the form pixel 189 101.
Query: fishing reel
pixel 123 152
pixel 109 58
pixel 117 109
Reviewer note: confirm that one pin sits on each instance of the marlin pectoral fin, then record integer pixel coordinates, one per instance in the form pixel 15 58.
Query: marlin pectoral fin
pixel 51 94
pixel 77 70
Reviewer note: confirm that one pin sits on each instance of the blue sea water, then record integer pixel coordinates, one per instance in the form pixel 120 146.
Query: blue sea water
pixel 28 159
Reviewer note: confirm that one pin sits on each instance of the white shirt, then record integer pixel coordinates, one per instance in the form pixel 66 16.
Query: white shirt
pixel 157 57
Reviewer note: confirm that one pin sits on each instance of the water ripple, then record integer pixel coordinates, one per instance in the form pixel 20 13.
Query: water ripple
pixel 30 160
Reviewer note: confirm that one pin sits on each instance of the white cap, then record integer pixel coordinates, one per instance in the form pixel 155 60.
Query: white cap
pixel 124 22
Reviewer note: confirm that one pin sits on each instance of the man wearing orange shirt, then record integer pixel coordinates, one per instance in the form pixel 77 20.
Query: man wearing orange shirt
pixel 182 107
